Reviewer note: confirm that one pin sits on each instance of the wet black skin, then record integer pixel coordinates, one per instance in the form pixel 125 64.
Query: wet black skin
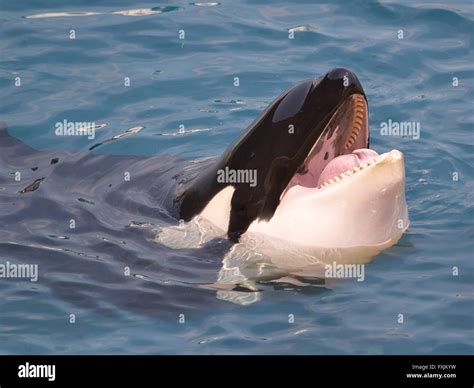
pixel 272 149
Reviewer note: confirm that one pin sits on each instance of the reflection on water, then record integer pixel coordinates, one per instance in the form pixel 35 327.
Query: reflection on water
pixel 127 12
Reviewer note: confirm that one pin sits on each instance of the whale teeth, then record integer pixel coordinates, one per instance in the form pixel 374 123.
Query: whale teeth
pixel 350 141
pixel 354 133
pixel 350 172
pixel 358 119
pixel 323 185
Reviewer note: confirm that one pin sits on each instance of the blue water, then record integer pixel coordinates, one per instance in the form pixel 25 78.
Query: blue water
pixel 190 82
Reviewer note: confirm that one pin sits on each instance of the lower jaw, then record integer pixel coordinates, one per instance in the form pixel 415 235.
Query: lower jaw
pixel 365 209
pixel 297 192
pixel 337 166
pixel 362 209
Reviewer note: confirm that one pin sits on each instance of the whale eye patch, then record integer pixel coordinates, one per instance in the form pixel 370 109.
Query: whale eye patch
pixel 292 103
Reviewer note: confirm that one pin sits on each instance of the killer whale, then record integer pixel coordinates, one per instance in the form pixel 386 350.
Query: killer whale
pixel 321 197
pixel 313 117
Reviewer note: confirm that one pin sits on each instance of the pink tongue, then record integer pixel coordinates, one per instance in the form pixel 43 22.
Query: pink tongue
pixel 346 162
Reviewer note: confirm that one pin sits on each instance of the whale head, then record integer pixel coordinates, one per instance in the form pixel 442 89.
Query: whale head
pixel 316 180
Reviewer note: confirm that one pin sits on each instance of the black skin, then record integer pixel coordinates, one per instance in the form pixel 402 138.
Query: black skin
pixel 269 147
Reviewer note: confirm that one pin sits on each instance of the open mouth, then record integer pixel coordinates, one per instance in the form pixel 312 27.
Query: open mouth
pixel 341 150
